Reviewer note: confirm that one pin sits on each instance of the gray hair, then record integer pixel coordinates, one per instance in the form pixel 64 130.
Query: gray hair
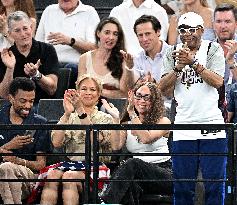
pixel 17 16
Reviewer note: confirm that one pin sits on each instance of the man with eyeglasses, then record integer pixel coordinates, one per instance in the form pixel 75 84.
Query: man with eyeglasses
pixel 194 69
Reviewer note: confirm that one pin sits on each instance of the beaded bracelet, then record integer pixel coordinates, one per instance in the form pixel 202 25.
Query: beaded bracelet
pixel 199 71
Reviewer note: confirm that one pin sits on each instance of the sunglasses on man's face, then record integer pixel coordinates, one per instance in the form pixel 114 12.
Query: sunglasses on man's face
pixel 191 31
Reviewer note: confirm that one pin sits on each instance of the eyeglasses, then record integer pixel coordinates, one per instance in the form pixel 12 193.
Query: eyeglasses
pixel 139 96
pixel 191 31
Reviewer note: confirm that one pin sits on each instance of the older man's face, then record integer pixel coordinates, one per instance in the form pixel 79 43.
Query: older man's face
pixel 21 32
pixel 68 5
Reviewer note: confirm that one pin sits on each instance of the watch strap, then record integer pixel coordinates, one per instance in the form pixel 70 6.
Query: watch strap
pixel 82 116
pixel 73 41
pixel 37 76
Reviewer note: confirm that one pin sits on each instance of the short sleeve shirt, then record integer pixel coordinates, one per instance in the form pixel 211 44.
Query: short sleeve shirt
pixel 39 50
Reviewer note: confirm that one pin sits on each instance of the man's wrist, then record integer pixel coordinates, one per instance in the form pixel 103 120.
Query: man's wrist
pixel 177 72
pixel 72 42
pixel 233 65
pixel 37 76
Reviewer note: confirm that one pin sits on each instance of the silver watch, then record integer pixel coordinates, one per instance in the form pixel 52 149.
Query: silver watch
pixel 37 76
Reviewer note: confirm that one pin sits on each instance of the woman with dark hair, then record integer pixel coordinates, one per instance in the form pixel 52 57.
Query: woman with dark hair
pixel 9 6
pixel 109 62
pixel 145 106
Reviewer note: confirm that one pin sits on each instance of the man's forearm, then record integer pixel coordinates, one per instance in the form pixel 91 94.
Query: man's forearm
pixel 33 165
pixel 4 85
pixel 211 78
pixel 167 82
pixel 83 46
pixel 48 83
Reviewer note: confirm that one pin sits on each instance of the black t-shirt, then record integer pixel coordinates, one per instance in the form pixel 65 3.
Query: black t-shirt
pixel 39 50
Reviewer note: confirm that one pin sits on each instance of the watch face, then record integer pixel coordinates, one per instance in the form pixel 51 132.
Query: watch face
pixel 37 77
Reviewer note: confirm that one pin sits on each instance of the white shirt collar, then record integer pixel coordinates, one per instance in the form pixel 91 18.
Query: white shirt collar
pixel 146 3
pixel 80 8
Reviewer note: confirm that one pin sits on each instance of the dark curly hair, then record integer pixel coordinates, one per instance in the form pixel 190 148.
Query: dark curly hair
pixel 157 110
pixel 115 59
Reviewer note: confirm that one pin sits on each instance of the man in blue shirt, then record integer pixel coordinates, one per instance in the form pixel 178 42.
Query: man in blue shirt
pixel 225 24
pixel 19 111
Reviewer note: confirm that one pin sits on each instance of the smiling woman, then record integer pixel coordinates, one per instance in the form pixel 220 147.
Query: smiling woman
pixel 145 106
pixel 108 62
pixel 80 108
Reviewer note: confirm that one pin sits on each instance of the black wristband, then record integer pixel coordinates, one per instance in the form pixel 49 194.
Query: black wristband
pixel 82 116
pixel 73 41
pixel 177 70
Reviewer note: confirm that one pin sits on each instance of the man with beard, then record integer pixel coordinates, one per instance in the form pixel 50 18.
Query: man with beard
pixel 225 25
pixel 194 70
pixel 31 142
pixel 28 58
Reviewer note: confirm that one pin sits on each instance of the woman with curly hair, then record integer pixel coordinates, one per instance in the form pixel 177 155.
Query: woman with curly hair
pixel 145 106
pixel 9 6
pixel 109 62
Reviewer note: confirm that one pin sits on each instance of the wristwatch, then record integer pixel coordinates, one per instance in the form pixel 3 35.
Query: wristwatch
pixel 37 76
pixel 73 41
pixel 177 72
pixel 82 116
pixel 233 66
pixel 194 64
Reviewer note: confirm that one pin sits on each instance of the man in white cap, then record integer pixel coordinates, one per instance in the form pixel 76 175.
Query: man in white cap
pixel 193 71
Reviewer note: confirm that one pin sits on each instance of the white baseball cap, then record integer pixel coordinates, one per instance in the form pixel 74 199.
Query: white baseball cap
pixel 191 19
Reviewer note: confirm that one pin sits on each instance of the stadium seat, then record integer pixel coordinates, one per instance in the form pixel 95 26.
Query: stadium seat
pixel 51 109
pixel 64 75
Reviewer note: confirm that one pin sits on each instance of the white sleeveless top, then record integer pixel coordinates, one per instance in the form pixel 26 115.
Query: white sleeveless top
pixel 106 79
pixel 159 146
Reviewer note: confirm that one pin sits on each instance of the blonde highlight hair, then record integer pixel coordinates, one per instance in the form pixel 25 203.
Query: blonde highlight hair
pixel 88 76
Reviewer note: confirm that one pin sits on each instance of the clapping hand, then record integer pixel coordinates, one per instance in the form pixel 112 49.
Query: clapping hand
pixel 8 58
pixel 231 46
pixel 72 101
pixel 31 68
pixel 183 57
pixel 128 58
pixel 111 109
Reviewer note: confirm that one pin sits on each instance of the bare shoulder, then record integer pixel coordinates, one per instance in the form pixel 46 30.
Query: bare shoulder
pixel 164 120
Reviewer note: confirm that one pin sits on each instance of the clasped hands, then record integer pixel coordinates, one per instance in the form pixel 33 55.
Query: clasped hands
pixel 183 57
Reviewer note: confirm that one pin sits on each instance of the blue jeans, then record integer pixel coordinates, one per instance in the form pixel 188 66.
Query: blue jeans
pixel 212 167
